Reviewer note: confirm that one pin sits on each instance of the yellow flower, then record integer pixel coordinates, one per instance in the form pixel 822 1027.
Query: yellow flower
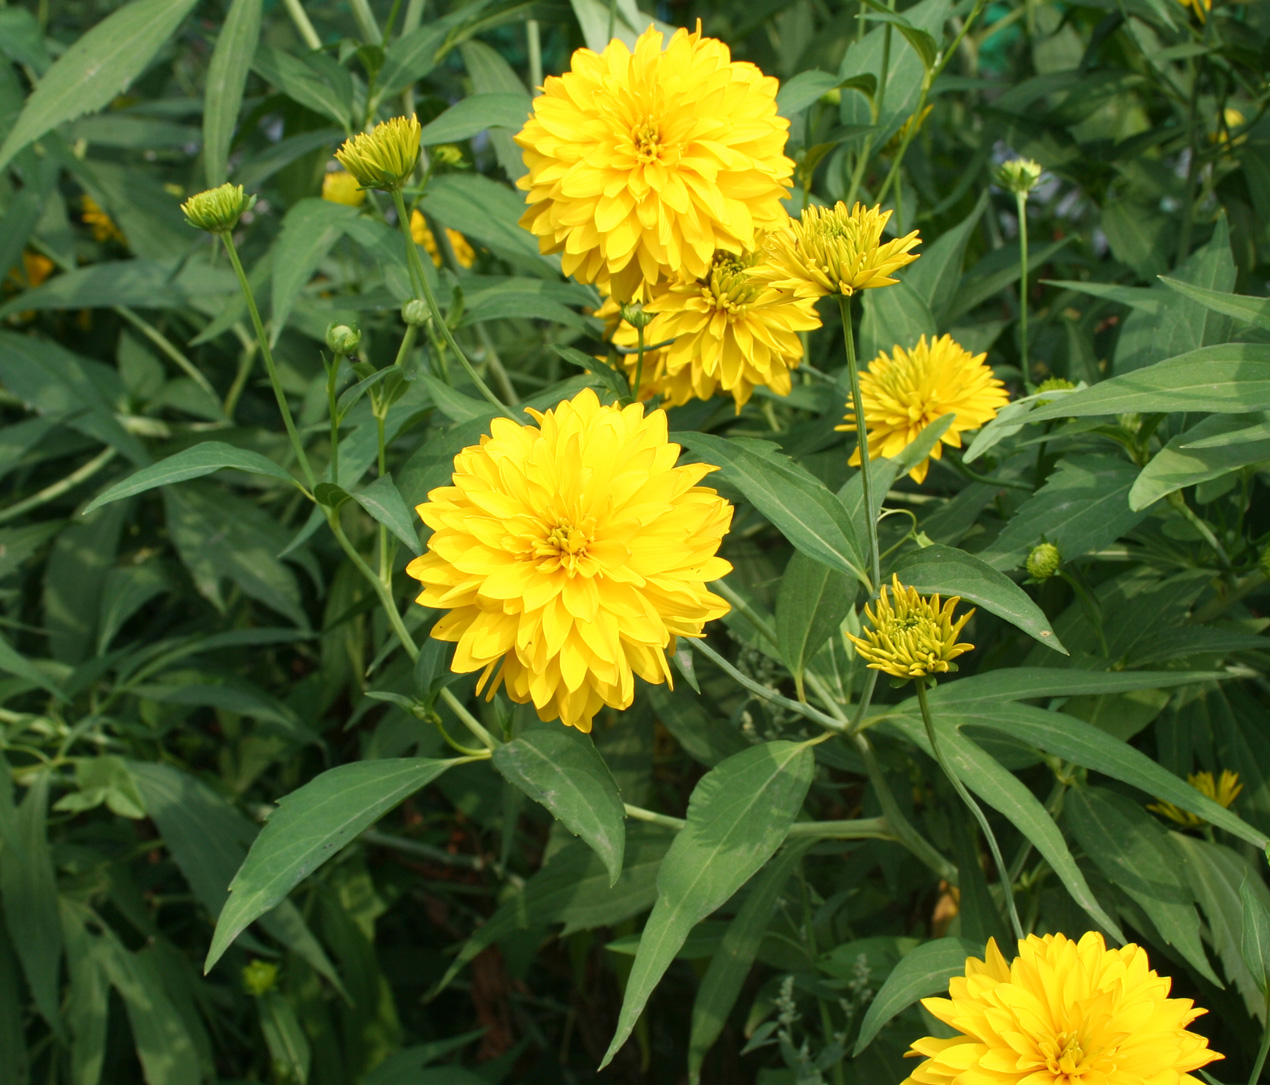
pixel 653 380
pixel 913 636
pixel 730 332
pixel 642 165
pixel 34 269
pixel 1200 7
pixel 385 156
pixel 1062 1013
pixel 831 250
pixel 340 186
pixel 903 394
pixel 103 226
pixel 570 555
pixel 463 251
pixel 1223 791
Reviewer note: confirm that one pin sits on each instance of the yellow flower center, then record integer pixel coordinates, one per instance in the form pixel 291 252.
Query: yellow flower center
pixel 565 546
pixel 647 140
pixel 729 289
pixel 1064 1057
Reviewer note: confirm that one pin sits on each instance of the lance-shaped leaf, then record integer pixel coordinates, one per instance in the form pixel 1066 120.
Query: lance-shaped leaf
pixel 923 972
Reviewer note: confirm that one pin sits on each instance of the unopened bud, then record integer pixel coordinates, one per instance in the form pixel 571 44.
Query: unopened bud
pixel 1053 384
pixel 1019 175
pixel 634 315
pixel 218 209
pixel 1043 561
pixel 447 153
pixel 416 313
pixel 343 339
pixel 260 977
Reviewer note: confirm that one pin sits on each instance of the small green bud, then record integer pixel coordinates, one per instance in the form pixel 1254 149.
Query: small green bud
pixel 1019 175
pixel 833 96
pixel 385 156
pixel 218 209
pixel 416 313
pixel 1043 561
pixel 448 153
pixel 343 339
pixel 1053 384
pixel 260 977
pixel 634 315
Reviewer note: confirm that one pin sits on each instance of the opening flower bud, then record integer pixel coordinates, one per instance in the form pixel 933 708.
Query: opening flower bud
pixel 1019 176
pixel 1043 561
pixel 385 156
pixel 218 209
pixel 343 339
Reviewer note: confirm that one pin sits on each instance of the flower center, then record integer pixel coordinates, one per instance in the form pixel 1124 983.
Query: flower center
pixel 1065 1055
pixel 564 544
pixel 647 140
pixel 729 290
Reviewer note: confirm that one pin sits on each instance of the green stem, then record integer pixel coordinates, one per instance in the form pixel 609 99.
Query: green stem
pixel 366 23
pixel 535 54
pixel 412 256
pixel 862 440
pixel 1021 202
pixel 805 710
pixel 240 378
pixel 263 341
pixel 1002 870
pixel 302 24
pixel 164 344
pixel 1259 1065
pixel 1089 604
pixel 1179 502
pixel 61 486
pixel 639 364
pixel 853 829
pixel 638 813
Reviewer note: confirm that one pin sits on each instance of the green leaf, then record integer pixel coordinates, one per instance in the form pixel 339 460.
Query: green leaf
pixel 491 74
pixel 13 662
pixel 561 769
pixel 226 76
pixel 315 81
pixel 96 68
pixel 812 601
pixel 202 459
pixel 936 276
pixel 475 114
pixel 288 1046
pixel 1254 936
pixel 923 44
pixel 414 55
pixel 731 962
pixel 164 1047
pixel 896 316
pixel 798 93
pixel 309 827
pixel 1133 850
pixel 950 571
pixel 922 972
pixel 1232 378
pixel 614 382
pixel 705 737
pixel 796 502
pixel 1180 464
pixel 1250 310
pixel 1083 506
pixel 738 815
pixel 387 506
pixel 309 230
pixel 146 284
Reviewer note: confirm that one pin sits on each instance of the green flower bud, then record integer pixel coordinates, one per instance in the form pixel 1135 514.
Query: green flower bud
pixel 385 156
pixel 260 977
pixel 1019 175
pixel 1053 384
pixel 416 313
pixel 634 315
pixel 1043 561
pixel 218 209
pixel 448 153
pixel 343 339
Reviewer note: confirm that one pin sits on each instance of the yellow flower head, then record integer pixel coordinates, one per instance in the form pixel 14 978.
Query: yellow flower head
pixel 730 332
pixel 218 209
pixel 1223 792
pixel 831 250
pixel 385 156
pixel 905 392
pixel 102 225
pixel 1062 1013
pixel 570 554
pixel 912 636
pixel 653 379
pixel 1200 7
pixel 463 251
pixel 34 269
pixel 642 165
pixel 340 186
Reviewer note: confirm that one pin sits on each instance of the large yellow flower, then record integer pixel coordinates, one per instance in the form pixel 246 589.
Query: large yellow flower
pixel 1062 1013
pixel 831 250
pixel 729 331
pixel 570 555
pixel 1223 791
pixel 642 165
pixel 904 392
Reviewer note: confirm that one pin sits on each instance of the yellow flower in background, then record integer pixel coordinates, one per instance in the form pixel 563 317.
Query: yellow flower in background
pixel 912 636
pixel 831 250
pixel 1232 119
pixel 570 554
pixel 1223 791
pixel 385 156
pixel 653 379
pixel 464 254
pixel 1062 1013
pixel 1200 7
pixel 730 333
pixel 905 391
pixel 102 225
pixel 340 186
pixel 642 165
pixel 34 269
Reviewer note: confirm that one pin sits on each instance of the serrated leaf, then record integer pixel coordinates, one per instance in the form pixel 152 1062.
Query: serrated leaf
pixel 1250 310
pixel 738 815
pixel 309 827
pixel 1180 463
pixel 561 769
pixel 96 68
pixel 950 571
pixel 477 113
pixel 922 972
pixel 387 506
pixel 202 459
pixel 226 76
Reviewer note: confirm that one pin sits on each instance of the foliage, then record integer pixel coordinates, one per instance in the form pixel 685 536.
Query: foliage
pixel 205 622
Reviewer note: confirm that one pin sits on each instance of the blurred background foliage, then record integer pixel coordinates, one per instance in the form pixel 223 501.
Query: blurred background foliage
pixel 173 663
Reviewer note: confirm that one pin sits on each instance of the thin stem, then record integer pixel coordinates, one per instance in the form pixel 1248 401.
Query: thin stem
pixel 535 55
pixel 1021 202
pixel 333 407
pixel 862 440
pixel 1002 870
pixel 469 721
pixel 1179 502
pixel 653 818
pixel 639 364
pixel 61 486
pixel 854 829
pixel 366 23
pixel 412 255
pixel 1259 1065
pixel 428 853
pixel 164 344
pixel 240 378
pixel 302 24
pixel 893 173
pixel 263 340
